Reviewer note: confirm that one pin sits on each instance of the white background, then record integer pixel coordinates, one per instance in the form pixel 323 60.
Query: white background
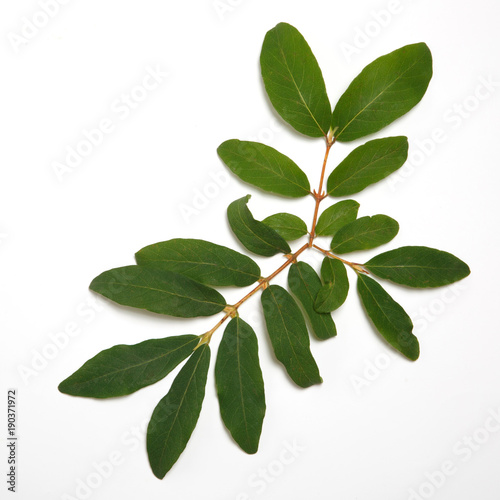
pixel 366 433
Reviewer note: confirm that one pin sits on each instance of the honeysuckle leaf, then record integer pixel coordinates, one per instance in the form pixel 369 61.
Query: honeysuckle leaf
pixel 288 226
pixel 385 90
pixel 264 167
pixel 418 267
pixel 176 415
pixel 158 291
pixel 294 82
pixel 289 337
pixel 254 235
pixel 124 369
pixel 336 286
pixel 389 318
pixel 368 164
pixel 337 216
pixel 202 261
pixel 364 233
pixel 305 285
pixel 240 386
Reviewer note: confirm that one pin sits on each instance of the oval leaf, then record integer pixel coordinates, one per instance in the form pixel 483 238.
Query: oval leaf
pixel 368 164
pixel 176 415
pixel 389 318
pixel 158 291
pixel 385 90
pixel 202 261
pixel 254 235
pixel 288 226
pixel 240 386
pixel 337 216
pixel 124 369
pixel 289 337
pixel 334 292
pixel 264 167
pixel 418 267
pixel 294 82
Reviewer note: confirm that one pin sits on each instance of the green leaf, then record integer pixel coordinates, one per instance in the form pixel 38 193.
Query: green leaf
pixel 254 235
pixel 240 387
pixel 389 318
pixel 368 164
pixel 289 337
pixel 202 261
pixel 264 167
pixel 158 291
pixel 385 90
pixel 305 285
pixel 124 369
pixel 176 415
pixel 337 216
pixel 294 82
pixel 334 292
pixel 364 233
pixel 418 267
pixel 288 226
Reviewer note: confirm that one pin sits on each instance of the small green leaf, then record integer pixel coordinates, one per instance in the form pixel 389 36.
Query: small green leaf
pixel 389 318
pixel 124 369
pixel 288 226
pixel 364 233
pixel 264 167
pixel 368 164
pixel 254 235
pixel 418 267
pixel 240 387
pixel 334 292
pixel 158 291
pixel 176 415
pixel 385 90
pixel 337 216
pixel 289 337
pixel 294 82
pixel 202 261
pixel 305 285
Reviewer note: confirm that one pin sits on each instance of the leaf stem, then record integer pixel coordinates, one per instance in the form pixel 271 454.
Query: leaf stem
pixel 354 265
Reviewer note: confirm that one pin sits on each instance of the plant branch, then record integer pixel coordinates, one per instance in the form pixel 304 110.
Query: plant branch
pixel 357 267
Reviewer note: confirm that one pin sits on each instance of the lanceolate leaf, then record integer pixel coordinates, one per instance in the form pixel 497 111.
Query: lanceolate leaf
pixel 418 267
pixel 385 90
pixel 176 415
pixel 305 285
pixel 389 318
pixel 124 369
pixel 288 226
pixel 254 235
pixel 334 292
pixel 364 233
pixel 289 337
pixel 264 167
pixel 367 164
pixel 294 82
pixel 202 261
pixel 337 216
pixel 158 291
pixel 240 387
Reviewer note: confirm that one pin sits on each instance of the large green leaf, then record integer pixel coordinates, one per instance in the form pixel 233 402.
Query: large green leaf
pixel 364 233
pixel 385 90
pixel 368 164
pixel 289 337
pixel 240 387
pixel 419 267
pixel 294 82
pixel 264 167
pixel 163 292
pixel 337 216
pixel 288 226
pixel 176 415
pixel 124 369
pixel 389 318
pixel 254 235
pixel 305 285
pixel 202 261
pixel 334 292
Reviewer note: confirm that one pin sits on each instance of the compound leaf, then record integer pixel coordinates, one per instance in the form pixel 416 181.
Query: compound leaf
pixel 334 292
pixel 288 226
pixel 337 216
